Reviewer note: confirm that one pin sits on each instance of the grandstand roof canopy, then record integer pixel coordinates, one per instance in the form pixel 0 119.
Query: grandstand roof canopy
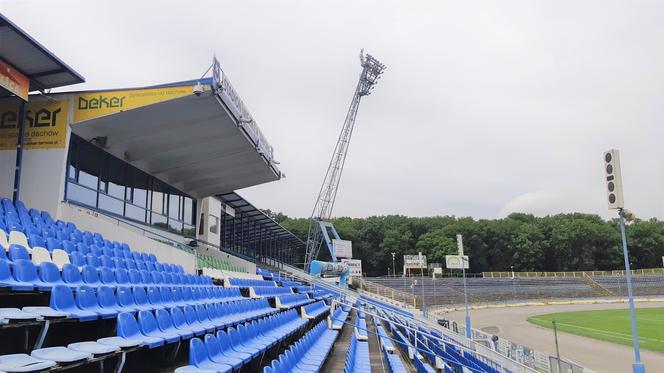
pixel 33 60
pixel 244 207
pixel 193 143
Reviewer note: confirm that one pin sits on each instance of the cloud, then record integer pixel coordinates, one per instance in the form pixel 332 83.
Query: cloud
pixel 484 108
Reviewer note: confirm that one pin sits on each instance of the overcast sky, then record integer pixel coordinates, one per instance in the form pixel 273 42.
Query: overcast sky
pixel 487 107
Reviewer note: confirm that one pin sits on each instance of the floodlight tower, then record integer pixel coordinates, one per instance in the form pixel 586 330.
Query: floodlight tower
pixel 322 212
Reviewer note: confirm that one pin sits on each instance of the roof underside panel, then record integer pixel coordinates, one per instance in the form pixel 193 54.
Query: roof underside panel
pixel 191 142
pixel 42 67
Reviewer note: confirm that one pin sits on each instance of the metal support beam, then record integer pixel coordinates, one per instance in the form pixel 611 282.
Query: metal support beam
pixel 19 151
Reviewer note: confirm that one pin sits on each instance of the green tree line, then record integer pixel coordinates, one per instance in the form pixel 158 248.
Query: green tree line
pixel 564 242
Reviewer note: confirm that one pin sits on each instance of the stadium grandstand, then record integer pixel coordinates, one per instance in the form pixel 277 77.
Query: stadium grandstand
pixel 496 287
pixel 125 246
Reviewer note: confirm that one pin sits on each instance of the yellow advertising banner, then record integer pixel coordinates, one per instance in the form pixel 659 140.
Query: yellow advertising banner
pixel 45 125
pixel 91 105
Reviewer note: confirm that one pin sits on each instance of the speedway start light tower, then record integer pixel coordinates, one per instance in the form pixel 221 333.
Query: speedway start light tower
pixel 319 223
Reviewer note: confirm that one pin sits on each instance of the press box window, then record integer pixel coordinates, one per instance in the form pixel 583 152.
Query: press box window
pixel 214 224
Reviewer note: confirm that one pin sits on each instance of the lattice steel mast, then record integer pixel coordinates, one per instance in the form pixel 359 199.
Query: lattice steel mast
pixel 322 212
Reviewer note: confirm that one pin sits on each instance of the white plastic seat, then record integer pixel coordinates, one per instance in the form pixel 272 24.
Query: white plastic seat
pixel 18 238
pixel 119 342
pixel 8 314
pixel 44 311
pixel 40 254
pixel 60 258
pixel 92 347
pixel 60 354
pixel 4 242
pixel 23 363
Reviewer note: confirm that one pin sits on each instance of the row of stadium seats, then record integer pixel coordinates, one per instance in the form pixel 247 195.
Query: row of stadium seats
pixel 208 261
pixel 25 276
pixel 306 355
pixel 230 350
pixel 357 358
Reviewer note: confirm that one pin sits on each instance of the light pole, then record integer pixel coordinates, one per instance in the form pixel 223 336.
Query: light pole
pixel 469 334
pixel 394 269
pixel 614 193
pixel 638 366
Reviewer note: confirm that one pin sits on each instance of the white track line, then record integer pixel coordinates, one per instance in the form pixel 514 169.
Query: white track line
pixel 607 333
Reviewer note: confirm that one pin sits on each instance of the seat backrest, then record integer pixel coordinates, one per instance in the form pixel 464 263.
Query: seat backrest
pixel 106 275
pixel 134 277
pixel 70 274
pixel 60 258
pixel 61 298
pixel 106 261
pixel 77 259
pixel 154 296
pixel 17 251
pixel 127 325
pixel 53 243
pixel 146 322
pixel 86 298
pixel 178 317
pixel 164 320
pixel 197 352
pixel 40 254
pixel 212 345
pixel 48 272
pixel 121 276
pixel 106 297
pixel 140 297
pixel 93 260
pixel 145 277
pixel 190 315
pixel 125 297
pixel 18 238
pixel 36 240
pixel 90 275
pixel 25 271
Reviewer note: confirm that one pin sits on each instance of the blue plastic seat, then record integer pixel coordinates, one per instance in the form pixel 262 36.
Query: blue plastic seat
pixel 87 301
pixel 121 277
pixel 140 265
pixel 108 301
pixel 227 349
pixel 106 261
pixel 198 356
pixel 126 298
pixel 91 276
pixel 204 318
pixel 107 276
pixel 93 260
pixel 141 299
pixel 96 251
pixel 119 263
pixel 62 300
pixel 193 321
pixel 217 355
pixel 145 277
pixel 131 265
pixel 77 259
pixel 36 241
pixel 25 272
pixel 180 322
pixel 6 278
pixel 135 277
pixel 83 248
pixel 50 274
pixel 128 328
pixel 53 243
pixel 148 326
pixel 154 297
pixel 165 324
pixel 71 276
pixel 17 252
pixel 107 251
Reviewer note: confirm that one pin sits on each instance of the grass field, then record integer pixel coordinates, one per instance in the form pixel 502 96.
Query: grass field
pixel 610 325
